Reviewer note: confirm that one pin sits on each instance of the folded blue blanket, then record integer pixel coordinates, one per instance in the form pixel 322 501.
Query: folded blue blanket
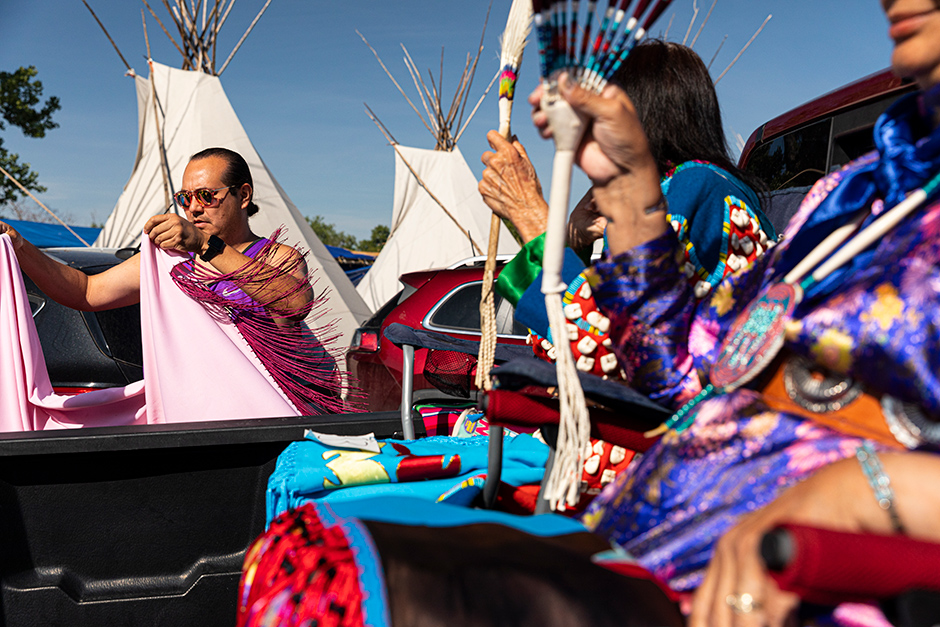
pixel 435 469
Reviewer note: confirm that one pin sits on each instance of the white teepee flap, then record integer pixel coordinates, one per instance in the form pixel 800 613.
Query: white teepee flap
pixel 196 114
pixel 423 235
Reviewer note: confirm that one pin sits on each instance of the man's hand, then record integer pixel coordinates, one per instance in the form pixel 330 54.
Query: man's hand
pixel 15 237
pixel 172 232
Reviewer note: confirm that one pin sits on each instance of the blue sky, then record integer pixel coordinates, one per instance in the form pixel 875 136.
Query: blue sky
pixel 300 80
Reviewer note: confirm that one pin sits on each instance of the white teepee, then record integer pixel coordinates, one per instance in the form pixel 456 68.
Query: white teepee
pixel 439 216
pixel 423 234
pixel 194 113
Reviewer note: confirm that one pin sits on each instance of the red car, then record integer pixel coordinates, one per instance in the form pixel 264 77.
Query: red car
pixel 443 300
pixel 801 146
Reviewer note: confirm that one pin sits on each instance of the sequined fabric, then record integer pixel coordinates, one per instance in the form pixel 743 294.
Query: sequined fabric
pixel 878 325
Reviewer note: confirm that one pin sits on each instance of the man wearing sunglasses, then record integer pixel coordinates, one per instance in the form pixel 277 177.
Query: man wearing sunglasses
pixel 217 201
pixel 262 285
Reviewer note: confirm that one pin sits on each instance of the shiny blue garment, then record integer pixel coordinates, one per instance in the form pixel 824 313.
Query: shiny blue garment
pixel 903 164
pixel 878 322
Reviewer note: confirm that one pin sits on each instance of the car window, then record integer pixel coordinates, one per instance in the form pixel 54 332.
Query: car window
pixel 506 323
pixel 852 134
pixel 460 311
pixel 121 329
pixel 379 316
pixel 796 159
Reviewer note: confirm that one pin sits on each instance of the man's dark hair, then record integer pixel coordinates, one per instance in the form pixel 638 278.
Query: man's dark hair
pixel 236 172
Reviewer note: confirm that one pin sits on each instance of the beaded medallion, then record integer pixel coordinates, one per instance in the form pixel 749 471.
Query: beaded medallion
pixel 755 338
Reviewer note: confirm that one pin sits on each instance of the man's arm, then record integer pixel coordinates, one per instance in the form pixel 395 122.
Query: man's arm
pixel 116 287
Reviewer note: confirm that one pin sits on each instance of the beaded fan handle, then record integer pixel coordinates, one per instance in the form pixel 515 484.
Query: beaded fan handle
pixel 590 65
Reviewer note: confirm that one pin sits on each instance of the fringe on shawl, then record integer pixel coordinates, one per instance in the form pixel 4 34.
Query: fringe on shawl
pixel 301 351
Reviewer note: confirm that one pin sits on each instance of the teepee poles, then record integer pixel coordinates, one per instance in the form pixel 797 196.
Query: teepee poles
pixel 613 41
pixel 167 195
pixel 45 208
pixel 198 26
pixel 512 44
pixel 106 34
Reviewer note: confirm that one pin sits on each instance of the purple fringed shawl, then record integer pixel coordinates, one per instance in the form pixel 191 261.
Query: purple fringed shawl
pixel 301 360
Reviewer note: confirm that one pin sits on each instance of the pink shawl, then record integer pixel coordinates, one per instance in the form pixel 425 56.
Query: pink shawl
pixel 197 368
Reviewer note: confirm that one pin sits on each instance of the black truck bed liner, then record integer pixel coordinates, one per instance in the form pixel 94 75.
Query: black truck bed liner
pixel 140 525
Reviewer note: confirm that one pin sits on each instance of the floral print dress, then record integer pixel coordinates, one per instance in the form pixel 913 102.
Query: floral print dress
pixel 877 322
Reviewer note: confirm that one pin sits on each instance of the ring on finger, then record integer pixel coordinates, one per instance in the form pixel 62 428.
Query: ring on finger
pixel 742 603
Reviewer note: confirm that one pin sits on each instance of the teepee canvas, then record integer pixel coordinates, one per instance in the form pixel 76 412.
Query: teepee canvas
pixel 179 113
pixel 438 216
pixel 196 114
pixel 425 234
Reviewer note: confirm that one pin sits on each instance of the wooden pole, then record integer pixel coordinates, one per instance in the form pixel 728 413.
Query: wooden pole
pixel 692 23
pixel 749 42
pixel 477 106
pixel 700 28
pixel 242 40
pixel 27 192
pixel 416 77
pixel 126 64
pixel 473 244
pixel 717 50
pixel 156 119
pixel 402 91
pixel 165 31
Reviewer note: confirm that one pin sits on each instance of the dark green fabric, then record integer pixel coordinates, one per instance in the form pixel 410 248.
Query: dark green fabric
pixel 519 273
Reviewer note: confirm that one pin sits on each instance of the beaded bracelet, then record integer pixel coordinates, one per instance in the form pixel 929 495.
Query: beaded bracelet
pixel 879 482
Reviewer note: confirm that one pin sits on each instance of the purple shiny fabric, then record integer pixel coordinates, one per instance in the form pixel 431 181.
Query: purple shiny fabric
pixel 879 326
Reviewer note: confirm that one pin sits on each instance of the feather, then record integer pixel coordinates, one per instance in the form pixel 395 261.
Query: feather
pixel 592 60
pixel 512 44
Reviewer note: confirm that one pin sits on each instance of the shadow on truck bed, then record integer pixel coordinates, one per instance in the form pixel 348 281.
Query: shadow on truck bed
pixel 140 525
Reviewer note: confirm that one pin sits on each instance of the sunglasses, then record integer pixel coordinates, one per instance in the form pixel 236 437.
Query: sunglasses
pixel 206 197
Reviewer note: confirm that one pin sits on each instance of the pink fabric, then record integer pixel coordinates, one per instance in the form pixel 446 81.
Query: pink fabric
pixel 197 368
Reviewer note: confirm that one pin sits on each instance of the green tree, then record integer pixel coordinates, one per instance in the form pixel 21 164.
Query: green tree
pixel 377 239
pixel 20 97
pixel 329 234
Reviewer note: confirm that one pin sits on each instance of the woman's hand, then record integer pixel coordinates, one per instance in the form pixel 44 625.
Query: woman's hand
pixel 614 142
pixel 172 232
pixel 511 188
pixel 615 155
pixel 836 497
pixel 585 224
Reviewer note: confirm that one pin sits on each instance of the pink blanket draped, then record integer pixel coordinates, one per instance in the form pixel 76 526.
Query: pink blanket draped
pixel 197 367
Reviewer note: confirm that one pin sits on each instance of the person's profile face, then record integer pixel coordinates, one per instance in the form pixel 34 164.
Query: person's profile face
pixel 914 27
pixel 216 211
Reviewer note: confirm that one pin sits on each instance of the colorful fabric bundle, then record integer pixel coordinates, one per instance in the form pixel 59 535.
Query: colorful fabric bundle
pixel 876 323
pixel 443 469
pixel 407 562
